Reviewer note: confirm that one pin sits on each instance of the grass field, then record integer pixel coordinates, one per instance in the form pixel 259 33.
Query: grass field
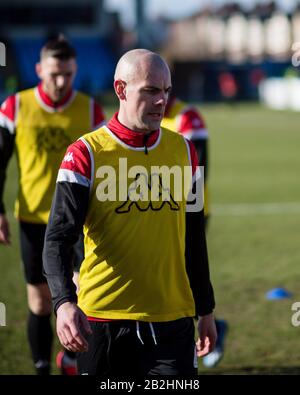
pixel 252 239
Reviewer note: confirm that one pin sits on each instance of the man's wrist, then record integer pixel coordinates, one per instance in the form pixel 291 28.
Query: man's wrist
pixel 64 301
pixel 205 315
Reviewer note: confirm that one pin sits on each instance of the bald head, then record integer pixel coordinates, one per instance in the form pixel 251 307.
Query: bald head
pixel 142 84
pixel 139 63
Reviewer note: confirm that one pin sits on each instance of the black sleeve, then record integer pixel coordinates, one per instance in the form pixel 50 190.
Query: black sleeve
pixel 197 263
pixel 65 224
pixel 7 142
pixel 201 146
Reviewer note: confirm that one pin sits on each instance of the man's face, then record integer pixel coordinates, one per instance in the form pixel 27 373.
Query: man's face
pixel 57 76
pixel 146 98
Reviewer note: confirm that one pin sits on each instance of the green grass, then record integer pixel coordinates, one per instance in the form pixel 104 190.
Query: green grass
pixel 254 158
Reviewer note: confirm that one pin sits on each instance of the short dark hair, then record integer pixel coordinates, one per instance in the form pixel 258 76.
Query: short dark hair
pixel 58 48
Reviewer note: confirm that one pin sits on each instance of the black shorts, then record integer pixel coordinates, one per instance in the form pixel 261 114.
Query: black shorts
pixel 127 348
pixel 32 243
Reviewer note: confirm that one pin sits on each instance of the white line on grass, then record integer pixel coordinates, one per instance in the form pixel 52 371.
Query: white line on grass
pixel 256 208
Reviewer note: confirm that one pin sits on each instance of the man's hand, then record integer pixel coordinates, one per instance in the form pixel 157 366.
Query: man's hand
pixel 4 230
pixel 207 335
pixel 72 327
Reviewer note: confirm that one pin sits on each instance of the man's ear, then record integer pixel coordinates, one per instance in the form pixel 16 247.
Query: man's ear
pixel 120 89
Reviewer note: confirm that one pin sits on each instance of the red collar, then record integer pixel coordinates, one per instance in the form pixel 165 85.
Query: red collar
pixel 49 102
pixel 130 137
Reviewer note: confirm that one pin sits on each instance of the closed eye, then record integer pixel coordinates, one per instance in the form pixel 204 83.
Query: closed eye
pixel 152 90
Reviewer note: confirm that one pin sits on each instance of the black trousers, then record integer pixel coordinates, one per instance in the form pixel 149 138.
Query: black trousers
pixel 131 348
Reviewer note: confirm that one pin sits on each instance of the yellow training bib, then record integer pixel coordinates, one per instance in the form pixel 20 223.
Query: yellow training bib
pixel 41 141
pixel 134 265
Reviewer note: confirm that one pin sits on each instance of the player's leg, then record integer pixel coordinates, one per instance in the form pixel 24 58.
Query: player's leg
pixel 39 330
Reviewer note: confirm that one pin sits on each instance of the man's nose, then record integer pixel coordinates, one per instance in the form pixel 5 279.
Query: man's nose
pixel 60 81
pixel 162 99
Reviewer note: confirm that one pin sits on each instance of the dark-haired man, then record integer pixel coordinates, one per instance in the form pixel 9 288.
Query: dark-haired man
pixel 40 123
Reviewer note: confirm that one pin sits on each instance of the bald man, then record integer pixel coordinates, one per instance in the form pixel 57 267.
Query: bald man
pixel 144 277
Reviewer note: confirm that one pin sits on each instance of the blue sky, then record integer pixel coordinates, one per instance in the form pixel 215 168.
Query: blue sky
pixel 177 8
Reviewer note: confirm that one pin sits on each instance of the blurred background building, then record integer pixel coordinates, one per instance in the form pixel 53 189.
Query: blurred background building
pixel 219 50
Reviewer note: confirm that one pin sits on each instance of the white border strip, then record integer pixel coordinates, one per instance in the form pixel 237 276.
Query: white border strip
pixel 7 123
pixel 103 123
pixel 189 151
pixel 197 174
pixel 53 109
pixel 92 161
pixel 190 159
pixel 73 177
pixel 196 134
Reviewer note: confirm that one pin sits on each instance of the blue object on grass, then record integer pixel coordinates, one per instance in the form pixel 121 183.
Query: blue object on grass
pixel 278 293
